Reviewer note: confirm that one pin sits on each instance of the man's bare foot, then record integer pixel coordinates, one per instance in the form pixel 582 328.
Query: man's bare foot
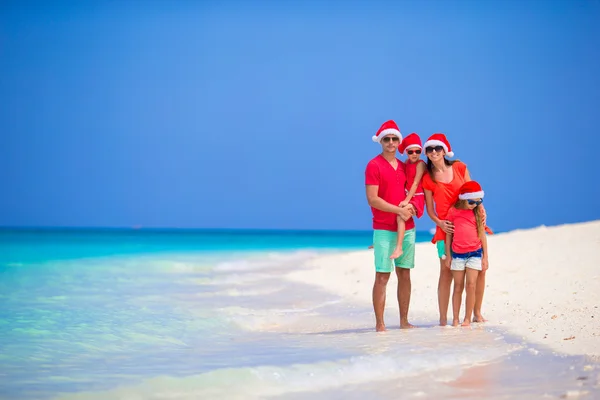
pixel 443 322
pixel 406 325
pixel 380 328
pixel 397 253
pixel 466 323
pixel 479 318
pixel 455 322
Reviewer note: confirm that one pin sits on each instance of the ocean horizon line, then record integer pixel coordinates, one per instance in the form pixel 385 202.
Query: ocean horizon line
pixel 141 229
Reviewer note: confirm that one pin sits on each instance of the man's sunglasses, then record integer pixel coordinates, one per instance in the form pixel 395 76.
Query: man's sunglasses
pixel 392 138
pixel 476 202
pixel 438 149
pixel 411 152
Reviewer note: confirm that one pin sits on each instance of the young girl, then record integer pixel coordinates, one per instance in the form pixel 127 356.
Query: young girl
pixel 415 168
pixel 467 247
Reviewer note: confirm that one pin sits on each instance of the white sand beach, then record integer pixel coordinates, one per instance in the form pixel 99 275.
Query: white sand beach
pixel 543 285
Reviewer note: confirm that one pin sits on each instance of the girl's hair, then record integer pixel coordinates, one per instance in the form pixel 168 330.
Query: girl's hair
pixel 430 166
pixel 462 204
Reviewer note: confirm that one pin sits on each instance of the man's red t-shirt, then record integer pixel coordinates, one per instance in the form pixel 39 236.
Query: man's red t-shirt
pixel 392 188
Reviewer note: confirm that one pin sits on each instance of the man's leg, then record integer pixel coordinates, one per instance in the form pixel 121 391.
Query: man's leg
pixel 444 283
pixel 404 289
pixel 379 287
pixel 403 266
pixel 383 245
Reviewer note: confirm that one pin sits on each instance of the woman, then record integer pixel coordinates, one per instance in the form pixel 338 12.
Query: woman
pixel 441 183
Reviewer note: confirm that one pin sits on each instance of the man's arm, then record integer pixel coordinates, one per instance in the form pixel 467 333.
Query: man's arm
pixel 377 202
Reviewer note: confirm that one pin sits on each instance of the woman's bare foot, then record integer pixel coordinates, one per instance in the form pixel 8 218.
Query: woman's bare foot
pixel 455 322
pixel 380 328
pixel 466 323
pixel 443 322
pixel 406 325
pixel 479 318
pixel 397 253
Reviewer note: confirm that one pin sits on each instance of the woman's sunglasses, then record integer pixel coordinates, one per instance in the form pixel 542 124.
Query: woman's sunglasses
pixel 477 202
pixel 411 152
pixel 438 149
pixel 388 138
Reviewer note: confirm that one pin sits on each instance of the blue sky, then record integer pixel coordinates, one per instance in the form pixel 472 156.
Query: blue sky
pixel 232 114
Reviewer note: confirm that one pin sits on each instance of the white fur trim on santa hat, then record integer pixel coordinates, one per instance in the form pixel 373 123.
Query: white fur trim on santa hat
pixel 385 132
pixel 433 143
pixel 471 196
pixel 412 146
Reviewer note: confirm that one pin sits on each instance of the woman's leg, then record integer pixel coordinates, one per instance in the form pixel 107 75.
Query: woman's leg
pixel 459 286
pixel 472 275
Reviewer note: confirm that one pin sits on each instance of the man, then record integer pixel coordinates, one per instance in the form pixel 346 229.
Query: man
pixel 385 179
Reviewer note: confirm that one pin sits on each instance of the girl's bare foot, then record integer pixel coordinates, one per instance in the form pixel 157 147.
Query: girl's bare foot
pixel 380 328
pixel 466 323
pixel 455 322
pixel 406 325
pixel 443 322
pixel 479 318
pixel 397 253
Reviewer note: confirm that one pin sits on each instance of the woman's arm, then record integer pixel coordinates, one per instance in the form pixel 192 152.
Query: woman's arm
pixel 484 247
pixel 446 226
pixel 467 175
pixel 484 259
pixel 430 209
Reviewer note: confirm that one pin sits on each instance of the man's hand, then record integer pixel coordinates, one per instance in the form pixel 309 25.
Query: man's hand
pixel 446 226
pixel 407 212
pixel 403 203
pixel 484 264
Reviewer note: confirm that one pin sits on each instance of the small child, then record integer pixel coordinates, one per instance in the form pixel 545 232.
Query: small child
pixel 467 247
pixel 415 168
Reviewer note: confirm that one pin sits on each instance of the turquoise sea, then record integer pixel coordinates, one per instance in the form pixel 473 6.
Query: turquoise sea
pixel 177 314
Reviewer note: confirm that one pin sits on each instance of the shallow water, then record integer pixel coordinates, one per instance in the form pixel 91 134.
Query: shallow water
pixel 178 324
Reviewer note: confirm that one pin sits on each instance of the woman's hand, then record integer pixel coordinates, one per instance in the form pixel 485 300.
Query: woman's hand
pixel 446 226
pixel 448 262
pixel 484 264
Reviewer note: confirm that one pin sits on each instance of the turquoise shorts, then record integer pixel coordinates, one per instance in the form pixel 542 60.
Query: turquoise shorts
pixel 384 243
pixel 441 248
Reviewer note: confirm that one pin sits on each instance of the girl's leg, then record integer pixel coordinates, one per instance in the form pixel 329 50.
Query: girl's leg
pixel 459 286
pixel 470 286
pixel 401 229
pixel 444 284
pixel 479 298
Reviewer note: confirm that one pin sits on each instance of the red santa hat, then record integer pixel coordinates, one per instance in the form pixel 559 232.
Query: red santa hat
pixel 470 190
pixel 411 141
pixel 388 128
pixel 439 139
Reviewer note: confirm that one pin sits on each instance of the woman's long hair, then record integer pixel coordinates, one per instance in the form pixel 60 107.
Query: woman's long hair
pixel 478 211
pixel 430 166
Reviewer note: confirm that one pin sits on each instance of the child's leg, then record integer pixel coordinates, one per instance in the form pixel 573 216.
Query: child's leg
pixel 477 317
pixel 471 284
pixel 459 285
pixel 401 228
